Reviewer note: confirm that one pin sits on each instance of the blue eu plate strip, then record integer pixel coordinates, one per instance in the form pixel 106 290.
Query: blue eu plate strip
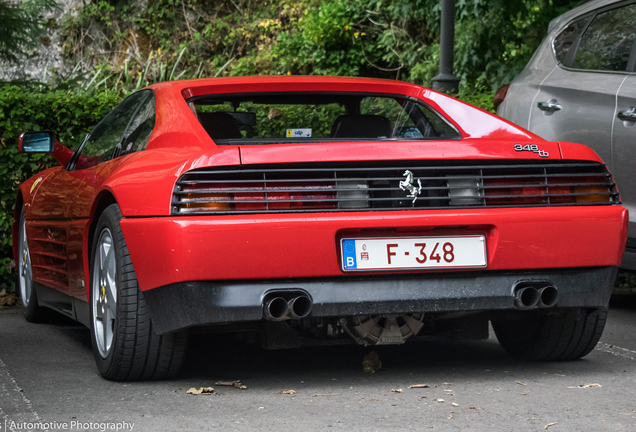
pixel 349 254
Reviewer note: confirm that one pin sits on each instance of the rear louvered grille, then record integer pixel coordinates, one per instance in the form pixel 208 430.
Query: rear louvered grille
pixel 373 188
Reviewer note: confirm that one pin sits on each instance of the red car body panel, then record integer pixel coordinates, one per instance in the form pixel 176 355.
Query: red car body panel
pixel 167 249
pixel 171 250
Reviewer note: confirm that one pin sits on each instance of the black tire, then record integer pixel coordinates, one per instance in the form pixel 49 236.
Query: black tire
pixel 551 336
pixel 33 312
pixel 136 351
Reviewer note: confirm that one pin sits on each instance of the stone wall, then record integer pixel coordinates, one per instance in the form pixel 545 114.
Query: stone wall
pixel 47 56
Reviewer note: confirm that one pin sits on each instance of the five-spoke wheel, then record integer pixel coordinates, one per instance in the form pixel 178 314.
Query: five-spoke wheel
pixel 104 292
pixel 32 311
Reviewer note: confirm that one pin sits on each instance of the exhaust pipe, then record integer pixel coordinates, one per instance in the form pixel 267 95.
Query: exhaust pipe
pixel 299 307
pixel 276 309
pixel 548 297
pixel 526 298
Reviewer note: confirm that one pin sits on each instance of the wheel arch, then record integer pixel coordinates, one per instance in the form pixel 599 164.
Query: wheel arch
pixel 104 199
pixel 15 226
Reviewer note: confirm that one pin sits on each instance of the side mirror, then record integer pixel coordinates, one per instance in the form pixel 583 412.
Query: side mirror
pixel 44 142
pixel 37 142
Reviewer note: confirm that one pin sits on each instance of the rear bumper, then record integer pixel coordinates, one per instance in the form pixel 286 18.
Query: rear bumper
pixel 174 250
pixel 183 305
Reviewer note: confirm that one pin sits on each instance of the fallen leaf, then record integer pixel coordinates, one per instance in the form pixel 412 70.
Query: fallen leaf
pixel 235 383
pixel 397 390
pixel 472 408
pixel 440 400
pixel 549 424
pixel 591 385
pixel 455 404
pixel 419 386
pixel 201 390
pixel 7 299
pixel 521 383
pixel 371 362
pixel 287 392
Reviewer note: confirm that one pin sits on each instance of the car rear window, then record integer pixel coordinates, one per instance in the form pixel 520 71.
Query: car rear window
pixel 272 118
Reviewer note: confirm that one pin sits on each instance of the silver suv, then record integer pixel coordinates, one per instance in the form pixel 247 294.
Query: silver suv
pixel 580 86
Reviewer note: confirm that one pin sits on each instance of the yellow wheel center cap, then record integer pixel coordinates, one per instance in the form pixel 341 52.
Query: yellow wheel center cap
pixel 103 292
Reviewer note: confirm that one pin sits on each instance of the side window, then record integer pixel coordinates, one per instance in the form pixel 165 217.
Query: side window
pixel 140 128
pixel 607 42
pixel 563 42
pixel 101 143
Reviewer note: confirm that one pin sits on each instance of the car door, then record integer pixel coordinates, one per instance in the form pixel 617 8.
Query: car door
pixel 576 101
pixel 624 155
pixel 61 203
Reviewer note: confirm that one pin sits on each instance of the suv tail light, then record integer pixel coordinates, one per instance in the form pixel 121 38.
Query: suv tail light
pixel 500 95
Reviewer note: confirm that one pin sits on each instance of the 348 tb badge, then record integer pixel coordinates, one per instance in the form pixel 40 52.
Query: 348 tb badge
pixel 532 148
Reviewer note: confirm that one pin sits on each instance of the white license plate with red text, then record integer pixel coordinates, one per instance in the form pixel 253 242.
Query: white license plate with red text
pixel 401 253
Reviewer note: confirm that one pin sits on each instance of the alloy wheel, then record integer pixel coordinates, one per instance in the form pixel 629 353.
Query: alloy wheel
pixel 25 271
pixel 104 292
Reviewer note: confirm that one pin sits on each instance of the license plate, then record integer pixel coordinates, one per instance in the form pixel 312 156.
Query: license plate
pixel 393 253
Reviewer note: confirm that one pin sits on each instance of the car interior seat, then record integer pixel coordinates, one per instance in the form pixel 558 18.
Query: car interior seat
pixel 361 126
pixel 219 125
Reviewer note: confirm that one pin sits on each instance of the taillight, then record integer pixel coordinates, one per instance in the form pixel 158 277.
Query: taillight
pixel 513 192
pixel 500 95
pixel 246 196
pixel 207 201
pixel 557 190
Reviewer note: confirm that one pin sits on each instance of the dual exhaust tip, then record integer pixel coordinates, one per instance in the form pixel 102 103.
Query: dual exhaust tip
pixel 279 309
pixel 528 297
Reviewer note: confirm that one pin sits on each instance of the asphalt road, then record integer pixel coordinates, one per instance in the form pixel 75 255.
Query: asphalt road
pixel 47 375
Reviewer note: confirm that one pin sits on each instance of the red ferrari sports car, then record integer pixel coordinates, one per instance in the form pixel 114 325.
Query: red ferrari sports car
pixel 305 210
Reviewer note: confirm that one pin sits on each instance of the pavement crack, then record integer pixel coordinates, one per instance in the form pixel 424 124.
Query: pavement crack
pixel 617 351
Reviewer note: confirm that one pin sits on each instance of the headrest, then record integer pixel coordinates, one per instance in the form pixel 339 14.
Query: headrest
pixel 361 126
pixel 219 125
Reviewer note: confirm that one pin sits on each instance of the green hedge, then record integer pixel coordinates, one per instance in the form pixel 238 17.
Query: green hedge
pixel 69 114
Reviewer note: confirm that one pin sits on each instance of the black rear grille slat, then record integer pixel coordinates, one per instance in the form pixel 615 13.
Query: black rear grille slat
pixel 298 188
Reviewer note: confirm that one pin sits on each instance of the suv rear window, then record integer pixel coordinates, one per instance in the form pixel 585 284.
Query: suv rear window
pixel 563 42
pixel 607 42
pixel 272 118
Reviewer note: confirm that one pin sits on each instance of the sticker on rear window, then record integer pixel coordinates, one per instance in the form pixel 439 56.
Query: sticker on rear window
pixel 299 133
